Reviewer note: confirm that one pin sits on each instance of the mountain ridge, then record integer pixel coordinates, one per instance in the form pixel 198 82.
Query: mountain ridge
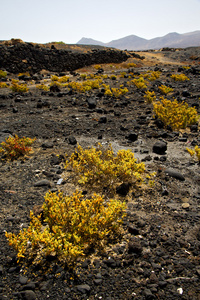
pixel 134 42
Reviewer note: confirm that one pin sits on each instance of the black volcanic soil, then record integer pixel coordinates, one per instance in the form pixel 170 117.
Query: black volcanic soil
pixel 159 254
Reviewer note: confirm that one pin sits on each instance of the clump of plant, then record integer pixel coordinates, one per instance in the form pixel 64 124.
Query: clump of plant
pixel 85 86
pixel 3 85
pixel 175 114
pixel 3 74
pixel 83 76
pixel 140 83
pixel 130 65
pixel 54 78
pixel 195 152
pixel 15 147
pixel 25 73
pixel 100 169
pixel 97 67
pixel 72 225
pixel 123 74
pixel 154 75
pixel 150 96
pixel 113 77
pixel 165 89
pixel 63 79
pixel 17 87
pixel 179 77
pixel 42 87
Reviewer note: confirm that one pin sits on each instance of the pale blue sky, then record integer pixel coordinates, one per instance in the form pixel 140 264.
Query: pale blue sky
pixel 104 20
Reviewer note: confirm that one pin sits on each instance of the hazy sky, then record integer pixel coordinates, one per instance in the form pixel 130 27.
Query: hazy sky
pixel 104 20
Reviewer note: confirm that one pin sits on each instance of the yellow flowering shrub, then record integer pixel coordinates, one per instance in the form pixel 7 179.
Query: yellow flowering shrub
pixel 54 78
pixel 194 152
pixel 165 89
pixel 71 225
pixel 177 115
pixel 97 67
pixel 179 77
pixel 3 85
pixel 150 96
pixel 42 87
pixel 63 79
pixel 140 83
pixel 85 86
pixel 25 73
pixel 19 88
pixel 154 75
pixel 100 169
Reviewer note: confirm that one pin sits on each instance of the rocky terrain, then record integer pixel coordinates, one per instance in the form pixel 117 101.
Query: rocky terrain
pixel 158 255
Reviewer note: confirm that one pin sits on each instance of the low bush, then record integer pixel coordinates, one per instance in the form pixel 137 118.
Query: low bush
pixel 175 114
pixel 165 89
pixel 150 96
pixel 179 77
pixel 17 87
pixel 3 85
pixel 154 75
pixel 3 74
pixel 101 170
pixel 140 83
pixel 71 226
pixel 42 87
pixel 15 147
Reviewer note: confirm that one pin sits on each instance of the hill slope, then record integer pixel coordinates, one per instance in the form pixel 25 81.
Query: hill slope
pixel 133 42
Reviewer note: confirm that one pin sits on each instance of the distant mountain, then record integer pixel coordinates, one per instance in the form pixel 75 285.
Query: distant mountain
pixel 133 42
pixel 86 41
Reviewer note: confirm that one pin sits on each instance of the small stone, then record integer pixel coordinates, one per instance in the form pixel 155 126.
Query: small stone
pixel 198 271
pixel 1 270
pixel 175 174
pixel 134 247
pixel 54 88
pixel 132 136
pixel 92 103
pixel 103 120
pixel 185 205
pixel 15 110
pixel 72 140
pixel 160 147
pixel 29 295
pixel 123 189
pixel 148 294
pixel 47 144
pixel 23 279
pixel 97 281
pixel 133 230
pixel 84 288
pixel 42 182
pixel 60 180
pixel 153 278
pixel 194 128
pixel 183 139
pixel 29 286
